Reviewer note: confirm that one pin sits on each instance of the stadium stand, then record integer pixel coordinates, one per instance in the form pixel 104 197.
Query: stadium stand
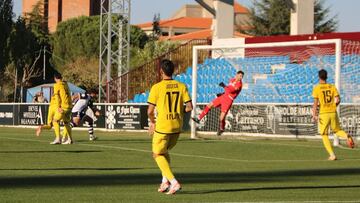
pixel 274 79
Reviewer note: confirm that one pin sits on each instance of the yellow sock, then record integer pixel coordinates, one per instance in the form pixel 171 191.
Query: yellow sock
pixel 65 134
pixel 164 167
pixel 167 157
pixel 57 129
pixel 342 134
pixel 327 144
pixel 67 131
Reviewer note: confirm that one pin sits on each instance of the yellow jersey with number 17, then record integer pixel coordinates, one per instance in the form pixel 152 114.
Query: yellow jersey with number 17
pixel 62 95
pixel 169 97
pixel 326 94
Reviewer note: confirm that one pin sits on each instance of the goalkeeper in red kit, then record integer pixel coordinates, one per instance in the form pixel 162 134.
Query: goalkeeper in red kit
pixel 224 100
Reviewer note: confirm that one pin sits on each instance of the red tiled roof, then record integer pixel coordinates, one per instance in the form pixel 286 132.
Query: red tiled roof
pixel 183 22
pixel 202 34
pixel 238 8
pixel 190 22
pixel 239 34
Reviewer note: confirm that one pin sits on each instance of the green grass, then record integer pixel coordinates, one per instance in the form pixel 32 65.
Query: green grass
pixel 119 168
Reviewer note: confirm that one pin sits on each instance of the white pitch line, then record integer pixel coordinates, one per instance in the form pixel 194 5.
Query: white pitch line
pixel 91 145
pixel 182 155
pixel 347 148
pixel 263 143
pixel 115 147
pixel 280 144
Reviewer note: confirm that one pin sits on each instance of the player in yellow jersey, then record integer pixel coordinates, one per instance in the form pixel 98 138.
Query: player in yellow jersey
pixel 168 97
pixel 50 116
pixel 63 105
pixel 327 98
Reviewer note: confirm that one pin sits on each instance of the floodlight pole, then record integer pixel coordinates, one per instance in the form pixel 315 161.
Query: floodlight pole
pixel 114 24
pixel 44 63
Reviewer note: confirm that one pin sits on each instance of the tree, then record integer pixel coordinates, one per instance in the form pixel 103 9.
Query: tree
pixel 83 72
pixel 156 27
pixel 151 50
pixel 37 27
pixel 6 23
pixel 24 53
pixel 138 37
pixel 321 24
pixel 272 17
pixel 37 22
pixel 79 37
pixel 25 41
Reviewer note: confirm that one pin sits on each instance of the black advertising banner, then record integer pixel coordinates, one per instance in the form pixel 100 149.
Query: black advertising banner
pixel 32 114
pixel 187 123
pixel 264 119
pixel 127 117
pixel 350 119
pixel 290 120
pixel 7 114
pixel 145 119
pixel 99 122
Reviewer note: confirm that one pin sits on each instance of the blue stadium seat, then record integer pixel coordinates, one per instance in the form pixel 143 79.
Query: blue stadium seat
pixel 136 98
pixel 283 85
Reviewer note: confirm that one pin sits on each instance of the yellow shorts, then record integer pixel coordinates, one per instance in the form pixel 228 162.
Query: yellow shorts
pixel 51 114
pixel 161 143
pixel 64 116
pixel 327 120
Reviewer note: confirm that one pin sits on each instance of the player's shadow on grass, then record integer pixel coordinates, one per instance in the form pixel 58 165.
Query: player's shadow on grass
pixel 47 151
pixel 270 188
pixel 69 169
pixel 278 177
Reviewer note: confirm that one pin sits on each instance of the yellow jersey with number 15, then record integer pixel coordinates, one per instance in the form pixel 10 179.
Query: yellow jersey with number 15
pixel 169 97
pixel 326 94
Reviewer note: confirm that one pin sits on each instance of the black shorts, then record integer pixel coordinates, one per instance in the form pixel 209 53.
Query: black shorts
pixel 78 114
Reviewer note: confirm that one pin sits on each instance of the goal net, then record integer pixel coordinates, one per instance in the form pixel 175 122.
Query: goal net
pixel 277 86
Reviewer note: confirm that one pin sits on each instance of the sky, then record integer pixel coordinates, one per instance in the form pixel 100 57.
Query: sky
pixel 347 11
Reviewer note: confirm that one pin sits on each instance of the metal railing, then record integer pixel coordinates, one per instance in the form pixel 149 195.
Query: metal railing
pixel 140 79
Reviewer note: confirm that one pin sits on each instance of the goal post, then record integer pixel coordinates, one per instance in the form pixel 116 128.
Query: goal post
pixel 331 48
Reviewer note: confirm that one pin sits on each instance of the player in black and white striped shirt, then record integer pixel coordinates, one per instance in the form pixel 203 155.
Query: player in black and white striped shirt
pixel 85 111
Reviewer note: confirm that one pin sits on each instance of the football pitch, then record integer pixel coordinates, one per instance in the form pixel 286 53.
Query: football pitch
pixel 119 168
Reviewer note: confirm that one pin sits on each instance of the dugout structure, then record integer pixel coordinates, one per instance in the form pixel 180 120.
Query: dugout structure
pixel 279 77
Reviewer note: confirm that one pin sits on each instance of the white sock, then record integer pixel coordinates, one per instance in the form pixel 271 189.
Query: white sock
pixel 173 181
pixel 164 180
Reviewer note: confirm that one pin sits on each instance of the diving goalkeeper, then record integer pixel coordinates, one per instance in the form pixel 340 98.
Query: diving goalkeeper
pixel 224 100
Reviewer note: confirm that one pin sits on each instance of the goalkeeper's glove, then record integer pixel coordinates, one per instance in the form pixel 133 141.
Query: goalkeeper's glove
pixel 222 85
pixel 219 94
